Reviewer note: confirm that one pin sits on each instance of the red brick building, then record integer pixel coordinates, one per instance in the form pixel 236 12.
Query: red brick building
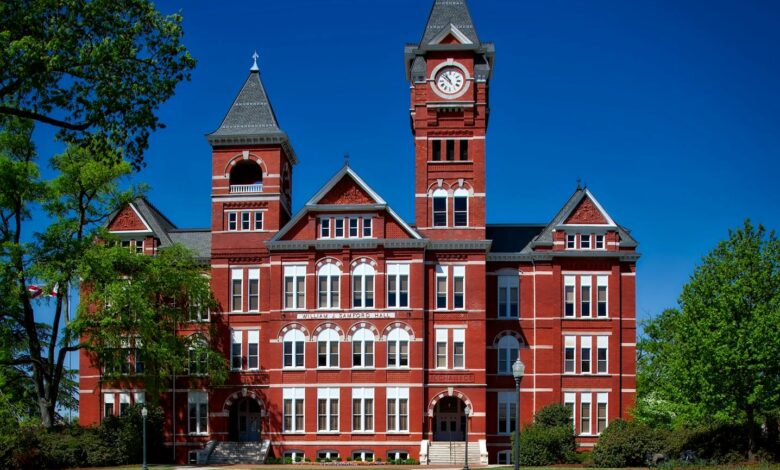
pixel 354 334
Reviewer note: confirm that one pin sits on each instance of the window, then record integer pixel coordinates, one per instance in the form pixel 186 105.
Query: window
pixel 363 286
pixel 139 397
pixel 508 349
pixel 398 348
pixel 601 296
pixel 464 150
pixel 601 354
pixel 585 241
pixel 245 220
pixel 461 207
pixel 397 285
pixel 253 349
pixel 295 455
pixel 327 455
pixel 440 208
pixel 293 345
pixel 138 356
pixel 254 290
pixel 458 287
pixel 124 402
pixel 458 348
pixel 353 227
pixel 569 354
pixel 236 359
pixel 397 409
pixel 108 404
pixel 363 348
pixel 450 150
pixel 362 456
pixel 571 240
pixel 328 286
pixel 292 410
pixel 294 287
pixel 441 287
pixel 504 457
pixel 328 348
pixel 585 413
pixel 441 348
pixel 601 412
pixel 569 400
pixel 232 221
pixel 397 455
pixel 134 246
pixel 367 227
pixel 363 409
pixel 508 295
pixel 258 215
pixel 586 343
pixel 236 286
pixel 198 313
pixel 198 357
pixel 339 227
pixel 436 150
pixel 507 412
pixel 599 242
pixel 325 227
pixel 328 409
pixel 568 295
pixel 585 296
pixel 198 406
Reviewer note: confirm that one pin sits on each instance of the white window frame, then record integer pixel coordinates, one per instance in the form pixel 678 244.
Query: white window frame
pixel 570 282
pixel 361 274
pixel 331 340
pixel 602 399
pixel 296 272
pixel 458 272
pixel 236 274
pixel 599 243
pixel 460 193
pixel 362 395
pixel 602 344
pixel 442 337
pixel 198 399
pixel 586 241
pixel 504 457
pixel 338 225
pixel 294 395
pixel 586 354
pixel 236 338
pixel 506 400
pixel 508 283
pixel 364 337
pixel 571 241
pixel 353 227
pixel 325 229
pixel 586 281
pixel 246 218
pixel 602 281
pixel 570 344
pixel 294 337
pixel 585 400
pixel 397 337
pixel 253 274
pixel 397 395
pixel 439 194
pixel 458 337
pixel 506 345
pixel 368 227
pixel 232 221
pixel 139 398
pixel 328 395
pixel 252 338
pixel 396 272
pixel 330 272
pixel 257 215
pixel 570 399
pixel 441 272
pixel 124 399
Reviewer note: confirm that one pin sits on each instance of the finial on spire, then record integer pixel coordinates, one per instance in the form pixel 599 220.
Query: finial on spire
pixel 255 68
pixel 579 183
pixel 346 159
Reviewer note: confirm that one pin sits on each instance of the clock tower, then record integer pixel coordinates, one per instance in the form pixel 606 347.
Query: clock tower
pixel 449 72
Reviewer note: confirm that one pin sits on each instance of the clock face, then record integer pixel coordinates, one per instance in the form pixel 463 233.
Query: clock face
pixel 450 80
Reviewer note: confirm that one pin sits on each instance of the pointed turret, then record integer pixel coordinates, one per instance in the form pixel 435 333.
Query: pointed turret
pixel 449 17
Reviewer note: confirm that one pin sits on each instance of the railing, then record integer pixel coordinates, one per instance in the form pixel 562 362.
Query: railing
pixel 246 188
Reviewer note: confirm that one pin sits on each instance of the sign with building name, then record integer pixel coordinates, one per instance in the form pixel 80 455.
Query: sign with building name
pixel 345 315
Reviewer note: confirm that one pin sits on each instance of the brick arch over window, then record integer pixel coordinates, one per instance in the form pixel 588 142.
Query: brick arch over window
pixel 328 260
pixel 242 394
pixel 241 157
pixel 516 334
pixel 293 326
pixel 363 259
pixel 395 325
pixel 328 326
pixel 439 185
pixel 360 326
pixel 449 393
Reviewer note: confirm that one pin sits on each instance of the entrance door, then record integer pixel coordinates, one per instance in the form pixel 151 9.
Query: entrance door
pixel 248 420
pixel 450 420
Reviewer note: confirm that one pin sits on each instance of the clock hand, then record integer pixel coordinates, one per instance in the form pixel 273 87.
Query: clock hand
pixel 447 78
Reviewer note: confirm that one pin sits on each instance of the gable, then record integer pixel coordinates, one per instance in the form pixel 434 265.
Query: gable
pixel 128 220
pixel 586 213
pixel 346 191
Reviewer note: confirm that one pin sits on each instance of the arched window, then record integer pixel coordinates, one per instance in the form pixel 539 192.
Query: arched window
pixel 328 284
pixel 198 355
pixel 461 207
pixel 363 348
pixel 508 347
pixel 440 208
pixel 246 176
pixel 398 348
pixel 293 344
pixel 363 286
pixel 508 294
pixel 328 348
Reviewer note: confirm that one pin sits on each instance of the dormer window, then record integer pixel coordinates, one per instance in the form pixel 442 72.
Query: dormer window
pixel 353 227
pixel 367 227
pixel 599 242
pixel 346 227
pixel 585 242
pixel 339 228
pixel 325 227
pixel 571 241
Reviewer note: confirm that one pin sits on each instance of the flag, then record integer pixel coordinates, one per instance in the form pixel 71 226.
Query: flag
pixel 34 291
pixel 55 290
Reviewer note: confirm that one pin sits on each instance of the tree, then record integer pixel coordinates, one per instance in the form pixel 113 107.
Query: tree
pixel 136 302
pixel 715 359
pixel 96 69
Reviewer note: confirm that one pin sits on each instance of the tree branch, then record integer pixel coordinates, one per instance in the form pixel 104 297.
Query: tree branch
pixel 44 119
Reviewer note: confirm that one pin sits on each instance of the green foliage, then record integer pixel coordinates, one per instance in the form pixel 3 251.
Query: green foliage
pixel 627 444
pixel 96 69
pixel 549 440
pixel 714 360
pixel 117 441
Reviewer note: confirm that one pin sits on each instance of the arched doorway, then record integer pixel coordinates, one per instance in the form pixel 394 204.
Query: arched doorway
pixel 245 416
pixel 449 419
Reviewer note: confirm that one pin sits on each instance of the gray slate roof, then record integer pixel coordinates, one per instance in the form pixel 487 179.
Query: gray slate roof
pixel 196 239
pixel 251 113
pixel 446 12
pixel 511 238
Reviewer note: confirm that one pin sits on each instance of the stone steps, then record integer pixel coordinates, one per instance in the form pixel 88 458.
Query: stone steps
pixel 446 453
pixel 239 452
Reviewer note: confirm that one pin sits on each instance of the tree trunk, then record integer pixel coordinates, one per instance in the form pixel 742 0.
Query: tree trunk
pixel 47 413
pixel 752 433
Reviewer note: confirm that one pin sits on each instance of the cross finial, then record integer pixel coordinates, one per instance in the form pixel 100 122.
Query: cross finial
pixel 346 159
pixel 255 68
pixel 579 183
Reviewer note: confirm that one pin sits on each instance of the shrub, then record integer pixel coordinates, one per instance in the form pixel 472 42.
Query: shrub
pixel 627 444
pixel 541 445
pixel 553 415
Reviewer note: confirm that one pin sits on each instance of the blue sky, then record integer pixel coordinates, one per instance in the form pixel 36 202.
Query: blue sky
pixel 668 110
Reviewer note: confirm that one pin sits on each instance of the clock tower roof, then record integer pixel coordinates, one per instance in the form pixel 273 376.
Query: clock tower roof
pixel 449 16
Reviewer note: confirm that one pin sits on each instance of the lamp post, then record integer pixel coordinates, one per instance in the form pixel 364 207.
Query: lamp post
pixel 144 413
pixel 518 370
pixel 467 410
